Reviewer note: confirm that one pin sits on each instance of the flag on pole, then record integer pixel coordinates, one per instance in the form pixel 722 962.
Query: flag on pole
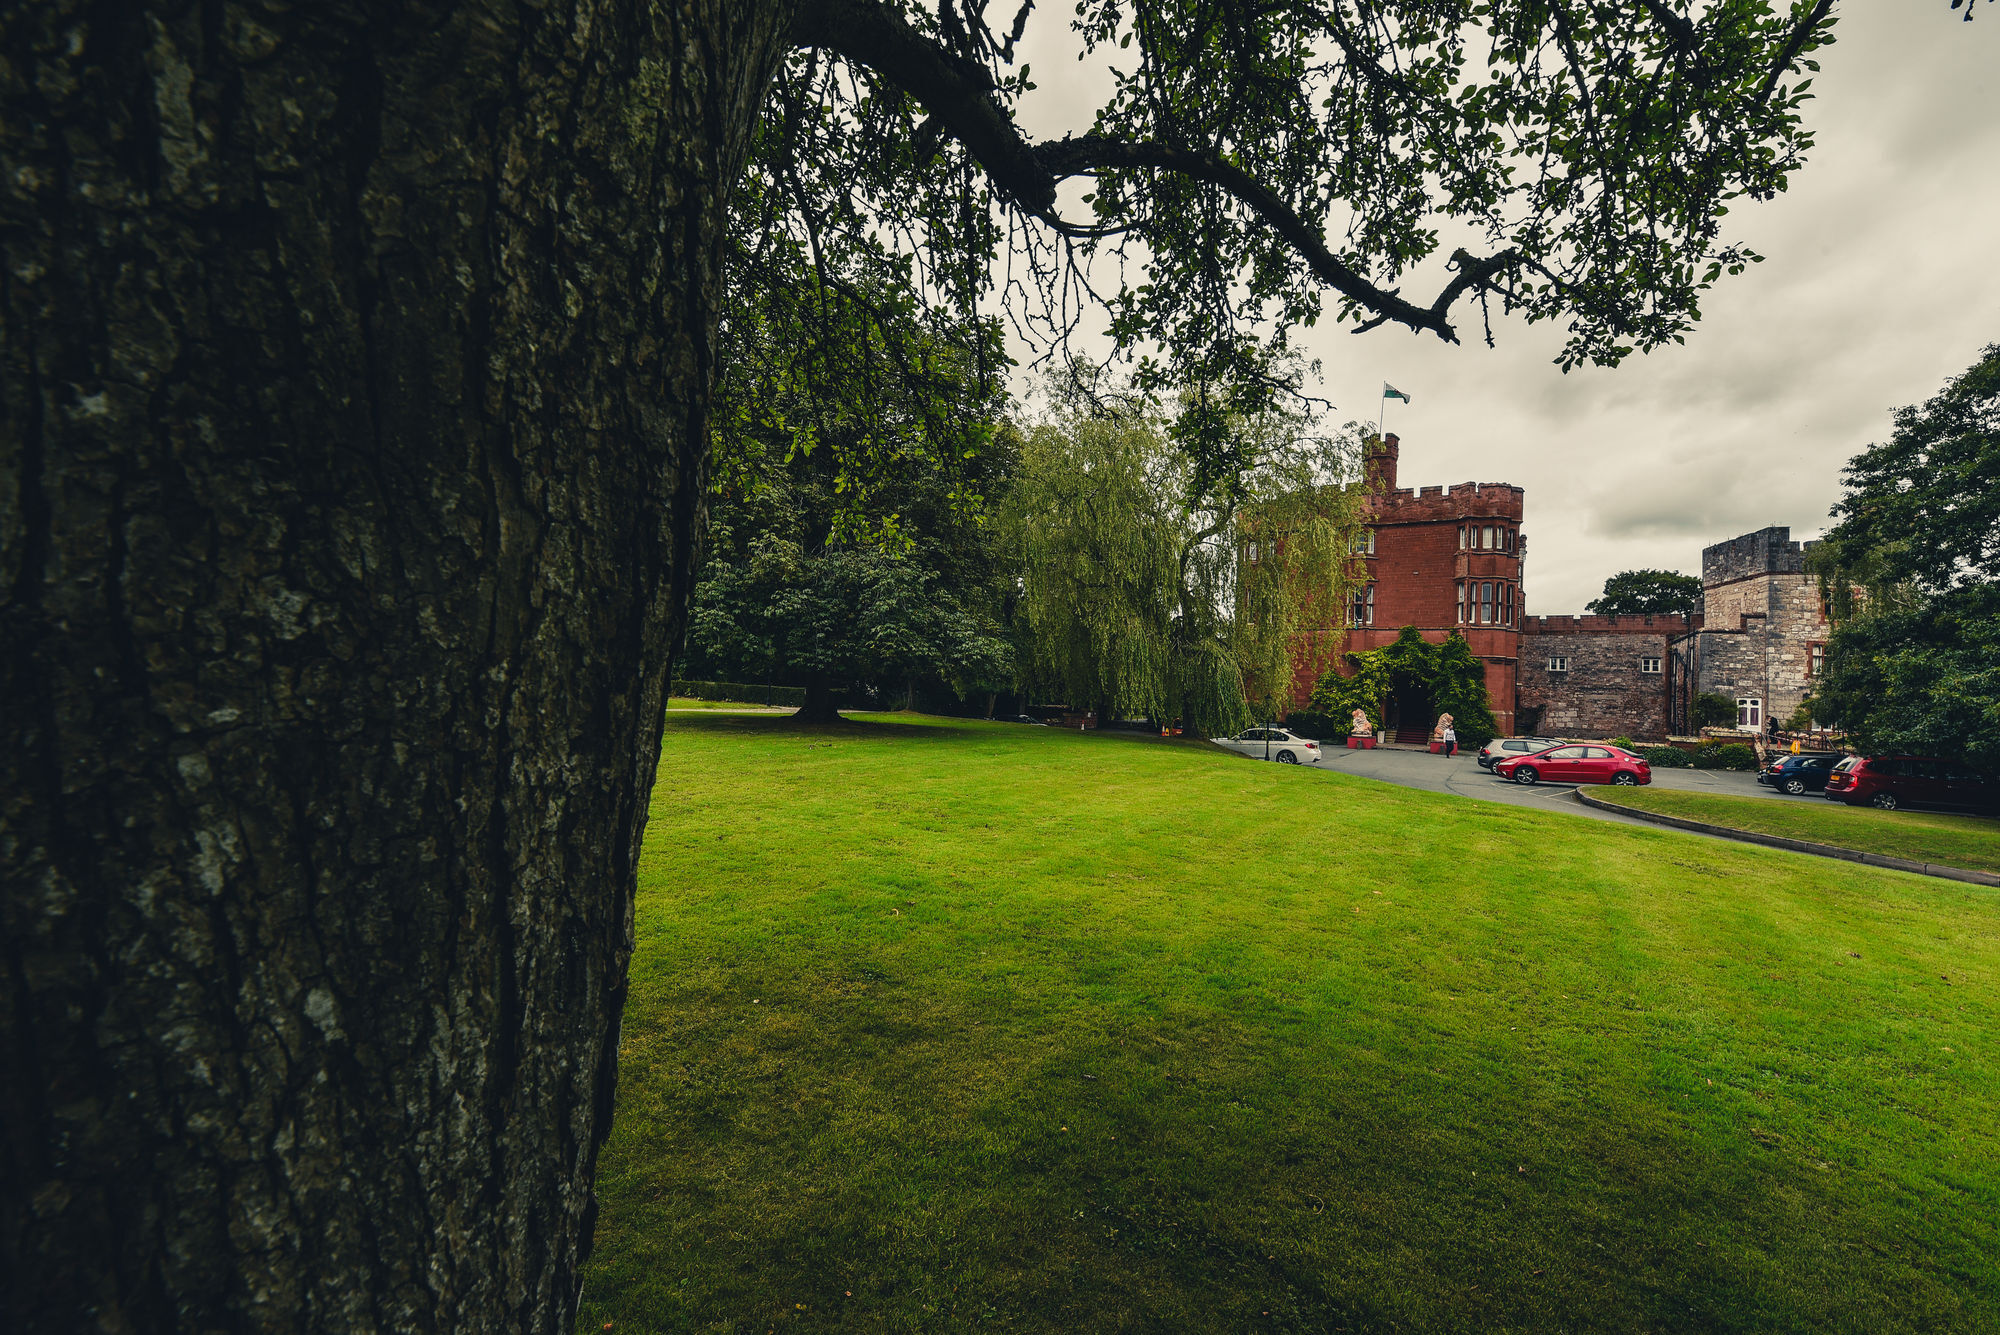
pixel 1389 391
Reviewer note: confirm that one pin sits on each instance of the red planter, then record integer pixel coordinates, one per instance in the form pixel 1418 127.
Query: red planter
pixel 1361 743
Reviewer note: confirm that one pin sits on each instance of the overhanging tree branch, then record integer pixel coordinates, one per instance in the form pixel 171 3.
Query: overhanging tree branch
pixel 958 95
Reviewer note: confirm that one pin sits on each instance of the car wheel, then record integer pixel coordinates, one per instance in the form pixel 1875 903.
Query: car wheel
pixel 1796 787
pixel 1525 776
pixel 1624 779
pixel 1884 802
pixel 1287 758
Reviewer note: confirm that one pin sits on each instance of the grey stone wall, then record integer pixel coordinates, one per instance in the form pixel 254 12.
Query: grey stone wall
pixel 1768 551
pixel 1603 694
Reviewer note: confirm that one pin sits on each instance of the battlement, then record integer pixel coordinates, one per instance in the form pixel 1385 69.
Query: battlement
pixel 1768 551
pixel 1665 623
pixel 1464 500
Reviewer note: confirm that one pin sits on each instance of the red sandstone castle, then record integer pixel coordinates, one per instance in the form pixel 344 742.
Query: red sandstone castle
pixel 1446 559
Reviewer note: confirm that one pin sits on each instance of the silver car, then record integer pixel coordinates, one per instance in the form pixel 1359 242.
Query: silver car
pixel 1272 744
pixel 1506 748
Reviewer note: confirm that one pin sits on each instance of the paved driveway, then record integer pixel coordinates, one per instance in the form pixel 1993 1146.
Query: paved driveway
pixel 1461 775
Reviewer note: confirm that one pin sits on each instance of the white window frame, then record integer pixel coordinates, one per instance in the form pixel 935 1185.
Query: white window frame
pixel 1750 712
pixel 1558 664
pixel 1649 667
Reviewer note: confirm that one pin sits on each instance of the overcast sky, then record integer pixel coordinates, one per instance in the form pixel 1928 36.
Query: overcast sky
pixel 1880 280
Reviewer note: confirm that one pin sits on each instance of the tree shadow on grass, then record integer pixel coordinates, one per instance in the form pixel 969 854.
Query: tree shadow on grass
pixel 860 1148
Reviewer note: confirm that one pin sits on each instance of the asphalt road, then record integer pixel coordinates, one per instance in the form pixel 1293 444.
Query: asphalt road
pixel 1462 776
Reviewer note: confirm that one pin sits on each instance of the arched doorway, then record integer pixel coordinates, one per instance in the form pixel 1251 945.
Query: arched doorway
pixel 1410 717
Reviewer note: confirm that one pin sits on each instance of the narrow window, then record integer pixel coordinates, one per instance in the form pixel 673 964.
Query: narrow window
pixel 1486 604
pixel 1253 553
pixel 1816 661
pixel 1371 604
pixel 1461 600
pixel 1506 604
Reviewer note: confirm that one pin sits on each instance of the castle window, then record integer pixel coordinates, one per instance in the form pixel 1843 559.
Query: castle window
pixel 1364 541
pixel 1506 604
pixel 1461 537
pixel 1816 660
pixel 1461 602
pixel 1487 538
pixel 1361 611
pixel 1486 604
pixel 1558 665
pixel 1253 553
pixel 1649 666
pixel 1750 712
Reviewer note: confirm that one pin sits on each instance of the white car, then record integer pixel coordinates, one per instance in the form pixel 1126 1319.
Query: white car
pixel 1271 744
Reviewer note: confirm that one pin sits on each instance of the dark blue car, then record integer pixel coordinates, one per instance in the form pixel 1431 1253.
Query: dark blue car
pixel 1800 774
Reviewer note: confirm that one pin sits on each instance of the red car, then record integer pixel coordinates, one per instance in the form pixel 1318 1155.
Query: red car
pixel 1889 782
pixel 1578 762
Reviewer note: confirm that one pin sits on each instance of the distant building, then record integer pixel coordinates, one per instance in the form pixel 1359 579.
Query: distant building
pixel 1446 559
pixel 1441 559
pixel 1762 636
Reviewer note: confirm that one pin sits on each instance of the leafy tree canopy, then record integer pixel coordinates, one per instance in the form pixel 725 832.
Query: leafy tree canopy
pixel 1571 160
pixel 1922 510
pixel 858 439
pixel 1912 575
pixel 1648 593
pixel 1151 587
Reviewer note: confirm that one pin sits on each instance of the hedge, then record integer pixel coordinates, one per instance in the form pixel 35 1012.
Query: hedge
pixel 742 692
pixel 1730 755
pixel 1667 757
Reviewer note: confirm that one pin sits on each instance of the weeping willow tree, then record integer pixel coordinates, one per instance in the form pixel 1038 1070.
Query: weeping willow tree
pixel 1154 586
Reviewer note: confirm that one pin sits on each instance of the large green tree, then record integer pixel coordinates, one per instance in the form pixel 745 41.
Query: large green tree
pixel 1648 593
pixel 1911 573
pixel 1149 588
pixel 356 368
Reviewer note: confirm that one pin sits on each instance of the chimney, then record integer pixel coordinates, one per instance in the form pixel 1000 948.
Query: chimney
pixel 1378 462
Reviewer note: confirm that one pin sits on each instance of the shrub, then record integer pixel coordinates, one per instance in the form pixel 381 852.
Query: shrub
pixel 1668 757
pixel 1728 755
pixel 742 692
pixel 1316 726
pixel 1625 742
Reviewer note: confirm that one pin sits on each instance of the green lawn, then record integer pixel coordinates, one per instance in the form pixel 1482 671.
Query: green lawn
pixel 690 702
pixel 1920 836
pixel 948 1026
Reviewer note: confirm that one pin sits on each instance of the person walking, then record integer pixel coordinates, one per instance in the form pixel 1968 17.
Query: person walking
pixel 1447 735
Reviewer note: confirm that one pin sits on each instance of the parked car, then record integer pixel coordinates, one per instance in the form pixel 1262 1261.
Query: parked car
pixel 1272 744
pixel 1500 748
pixel 1889 782
pixel 1800 774
pixel 1024 718
pixel 1577 762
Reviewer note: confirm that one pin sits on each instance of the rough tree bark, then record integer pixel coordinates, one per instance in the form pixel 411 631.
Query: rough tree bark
pixel 354 382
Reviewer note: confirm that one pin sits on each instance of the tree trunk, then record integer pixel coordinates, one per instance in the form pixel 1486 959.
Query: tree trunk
pixel 819 706
pixel 354 379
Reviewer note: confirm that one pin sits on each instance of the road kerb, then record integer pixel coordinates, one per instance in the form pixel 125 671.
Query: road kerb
pixel 1795 845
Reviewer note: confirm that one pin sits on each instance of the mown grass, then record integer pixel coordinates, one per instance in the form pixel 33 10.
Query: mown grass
pixel 1921 836
pixel 950 1026
pixel 691 702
